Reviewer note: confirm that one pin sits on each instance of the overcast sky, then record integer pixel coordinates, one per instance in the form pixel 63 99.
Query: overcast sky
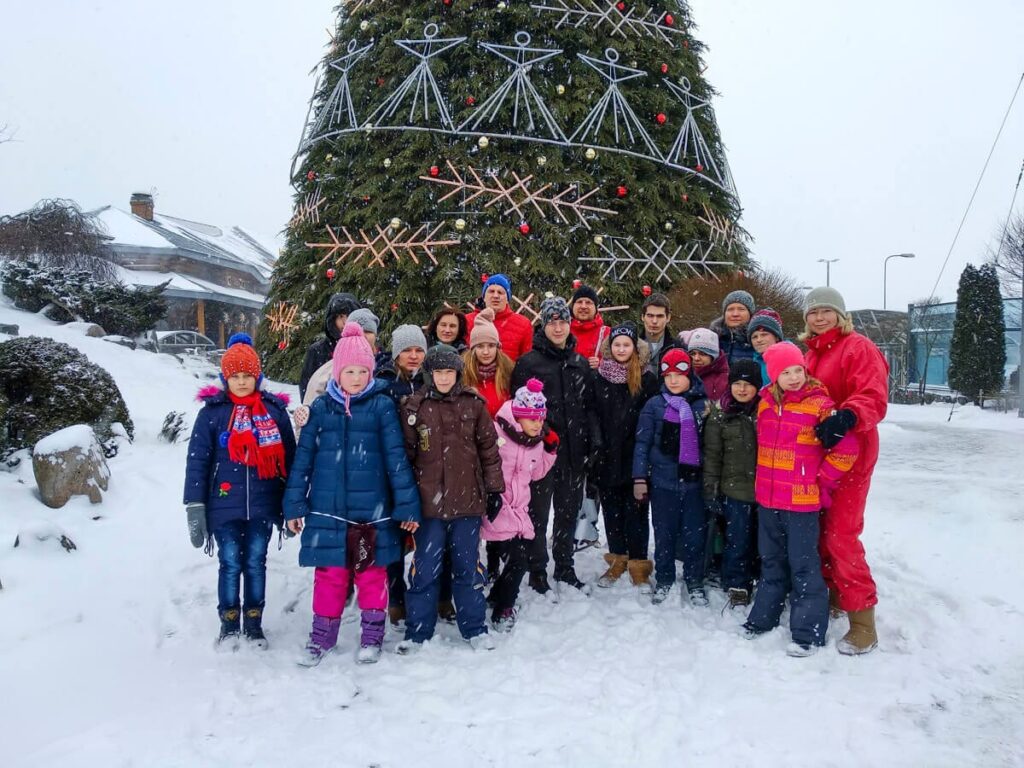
pixel 854 130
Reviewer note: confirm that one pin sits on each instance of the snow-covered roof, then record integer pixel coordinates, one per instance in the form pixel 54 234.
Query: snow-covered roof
pixel 190 287
pixel 228 246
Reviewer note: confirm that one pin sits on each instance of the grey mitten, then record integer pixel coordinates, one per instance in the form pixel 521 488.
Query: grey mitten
pixel 196 513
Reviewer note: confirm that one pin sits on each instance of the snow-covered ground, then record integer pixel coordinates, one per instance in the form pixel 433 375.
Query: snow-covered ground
pixel 106 652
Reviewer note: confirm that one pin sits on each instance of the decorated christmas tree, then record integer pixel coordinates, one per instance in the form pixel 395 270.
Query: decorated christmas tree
pixel 552 140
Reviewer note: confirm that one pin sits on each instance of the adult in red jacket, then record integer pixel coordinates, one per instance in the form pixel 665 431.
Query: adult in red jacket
pixel 514 330
pixel 857 377
pixel 587 326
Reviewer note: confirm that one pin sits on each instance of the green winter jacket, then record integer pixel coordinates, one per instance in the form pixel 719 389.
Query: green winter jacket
pixel 730 451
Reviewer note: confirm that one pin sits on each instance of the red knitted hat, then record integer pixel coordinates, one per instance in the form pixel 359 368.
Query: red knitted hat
pixel 675 361
pixel 240 358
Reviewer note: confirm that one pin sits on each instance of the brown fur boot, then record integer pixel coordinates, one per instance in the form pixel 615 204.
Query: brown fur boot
pixel 862 637
pixel 616 567
pixel 640 574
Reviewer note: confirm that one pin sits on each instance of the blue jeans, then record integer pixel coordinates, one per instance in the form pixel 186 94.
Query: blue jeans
pixel 461 537
pixel 677 516
pixel 790 564
pixel 242 548
pixel 738 556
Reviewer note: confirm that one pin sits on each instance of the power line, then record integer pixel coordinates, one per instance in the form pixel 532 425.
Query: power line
pixel 974 194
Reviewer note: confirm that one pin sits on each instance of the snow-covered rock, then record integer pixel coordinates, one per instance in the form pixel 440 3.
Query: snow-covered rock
pixel 70 463
pixel 89 329
pixel 8 329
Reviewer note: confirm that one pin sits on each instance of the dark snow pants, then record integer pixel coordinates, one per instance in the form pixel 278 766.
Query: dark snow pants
pixel 738 553
pixel 678 515
pixel 242 551
pixel 625 522
pixel 517 558
pixel 564 487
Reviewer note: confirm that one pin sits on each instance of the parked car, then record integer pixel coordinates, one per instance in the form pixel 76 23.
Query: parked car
pixel 182 342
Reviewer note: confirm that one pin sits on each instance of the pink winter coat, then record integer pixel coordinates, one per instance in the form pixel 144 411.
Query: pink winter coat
pixel 794 472
pixel 521 465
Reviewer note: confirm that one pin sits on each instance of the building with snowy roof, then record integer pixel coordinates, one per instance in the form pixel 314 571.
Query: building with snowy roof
pixel 218 276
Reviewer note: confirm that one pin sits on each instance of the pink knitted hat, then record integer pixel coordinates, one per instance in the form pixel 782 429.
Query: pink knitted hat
pixel 529 402
pixel 351 349
pixel 779 357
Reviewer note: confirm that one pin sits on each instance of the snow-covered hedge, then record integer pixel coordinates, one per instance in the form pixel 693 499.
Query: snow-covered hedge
pixel 46 386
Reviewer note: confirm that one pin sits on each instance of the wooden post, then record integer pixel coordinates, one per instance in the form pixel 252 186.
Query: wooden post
pixel 221 340
pixel 201 315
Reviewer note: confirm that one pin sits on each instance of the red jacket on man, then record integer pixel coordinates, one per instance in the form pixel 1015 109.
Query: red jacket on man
pixel 514 331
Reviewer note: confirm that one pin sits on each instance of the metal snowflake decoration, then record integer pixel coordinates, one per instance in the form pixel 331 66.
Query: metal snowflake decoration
pixel 309 209
pixel 526 100
pixel 617 16
pixel 622 255
pixel 421 84
pixel 518 197
pixel 387 241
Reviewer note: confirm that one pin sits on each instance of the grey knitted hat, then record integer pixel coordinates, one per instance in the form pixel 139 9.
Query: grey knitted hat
pixel 554 308
pixel 368 321
pixel 739 297
pixel 442 357
pixel 405 336
pixel 825 297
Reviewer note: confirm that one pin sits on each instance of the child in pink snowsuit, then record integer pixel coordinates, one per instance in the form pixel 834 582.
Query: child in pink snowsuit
pixel 528 449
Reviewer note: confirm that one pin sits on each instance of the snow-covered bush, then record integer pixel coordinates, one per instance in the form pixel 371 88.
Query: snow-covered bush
pixel 78 294
pixel 46 386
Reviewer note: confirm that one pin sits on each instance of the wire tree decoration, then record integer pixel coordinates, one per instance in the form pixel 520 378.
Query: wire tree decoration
pixel 338 111
pixel 690 142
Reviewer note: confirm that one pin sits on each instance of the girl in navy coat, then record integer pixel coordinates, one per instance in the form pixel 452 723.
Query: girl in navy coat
pixel 241 445
pixel 666 465
pixel 349 492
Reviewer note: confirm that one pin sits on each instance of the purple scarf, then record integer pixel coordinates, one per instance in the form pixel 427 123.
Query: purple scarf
pixel 612 371
pixel 678 411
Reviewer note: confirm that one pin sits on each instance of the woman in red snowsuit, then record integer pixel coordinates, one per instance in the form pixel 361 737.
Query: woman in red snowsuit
pixel 857 376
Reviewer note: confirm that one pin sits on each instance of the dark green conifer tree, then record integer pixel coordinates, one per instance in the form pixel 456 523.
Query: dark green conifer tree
pixel 977 354
pixel 551 140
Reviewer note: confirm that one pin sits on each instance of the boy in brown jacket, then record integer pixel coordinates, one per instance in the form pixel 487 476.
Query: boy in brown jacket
pixel 452 445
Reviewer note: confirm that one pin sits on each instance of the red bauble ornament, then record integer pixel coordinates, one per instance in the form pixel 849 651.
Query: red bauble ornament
pixel 670 20
pixel 435 171
pixel 331 273
pixel 620 5
pixel 380 82
pixel 646 290
pixel 394 307
pixel 664 69
pixel 576 284
pixel 447 2
pixel 524 228
pixel 311 176
pixel 366 198
pixel 686 198
pixel 699 168
pixel 282 345
pixel 686 43
pixel 470 101
pixel 621 190
pixel 484 277
pixel 660 118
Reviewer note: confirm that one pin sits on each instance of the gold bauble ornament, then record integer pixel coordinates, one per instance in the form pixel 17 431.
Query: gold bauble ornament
pixel 387 162
pixel 364 25
pixel 560 89
pixel 396 223
pixel 668 226
pixel 460 224
pixel 590 154
pixel 517 261
pixel 483 142
pixel 502 6
pixel 542 161
pixel 598 239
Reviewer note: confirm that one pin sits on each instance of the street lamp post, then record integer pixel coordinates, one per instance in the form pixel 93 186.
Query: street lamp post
pixel 828 269
pixel 885 273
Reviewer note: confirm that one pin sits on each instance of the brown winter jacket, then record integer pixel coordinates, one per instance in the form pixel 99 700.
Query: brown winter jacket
pixel 453 448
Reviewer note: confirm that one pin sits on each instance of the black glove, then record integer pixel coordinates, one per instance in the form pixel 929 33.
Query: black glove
pixel 493 505
pixel 196 515
pixel 832 429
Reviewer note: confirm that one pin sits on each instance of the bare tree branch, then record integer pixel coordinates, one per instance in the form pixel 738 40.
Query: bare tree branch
pixel 1008 257
pixel 57 233
pixel 6 133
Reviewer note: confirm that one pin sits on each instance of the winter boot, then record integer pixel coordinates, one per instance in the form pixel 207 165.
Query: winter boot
pixel 739 598
pixel 801 650
pixel 322 640
pixel 862 637
pixel 570 578
pixel 697 596
pixel 482 642
pixel 446 611
pixel 408 648
pixel 252 628
pixel 504 620
pixel 616 567
pixel 661 594
pixel 230 629
pixel 750 631
pixel 372 639
pixel 640 574
pixel 834 611
pixel 396 614
pixel 539 583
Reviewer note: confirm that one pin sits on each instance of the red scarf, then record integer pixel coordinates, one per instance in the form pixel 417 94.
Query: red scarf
pixel 253 437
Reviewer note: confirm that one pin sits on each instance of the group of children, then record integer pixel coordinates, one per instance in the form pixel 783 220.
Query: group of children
pixel 450 467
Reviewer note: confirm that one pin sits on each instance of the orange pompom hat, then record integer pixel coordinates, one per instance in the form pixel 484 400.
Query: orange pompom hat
pixel 240 357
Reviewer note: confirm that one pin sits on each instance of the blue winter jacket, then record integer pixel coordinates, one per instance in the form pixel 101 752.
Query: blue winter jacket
pixel 649 461
pixel 232 491
pixel 734 345
pixel 759 359
pixel 351 469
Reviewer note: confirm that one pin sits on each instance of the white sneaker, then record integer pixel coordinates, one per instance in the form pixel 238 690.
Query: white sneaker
pixel 408 648
pixel 482 642
pixel 312 655
pixel 661 594
pixel 368 654
pixel 799 650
